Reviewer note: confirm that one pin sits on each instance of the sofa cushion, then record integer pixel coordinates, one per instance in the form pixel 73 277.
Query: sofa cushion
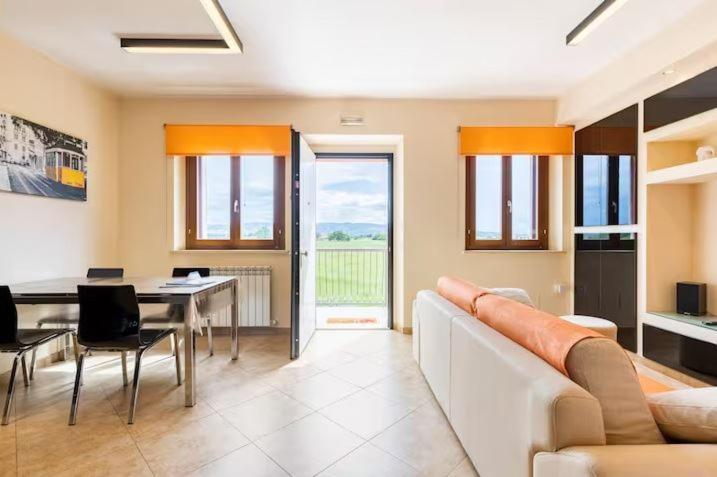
pixel 688 415
pixel 515 294
pixel 460 292
pixel 544 334
pixel 604 370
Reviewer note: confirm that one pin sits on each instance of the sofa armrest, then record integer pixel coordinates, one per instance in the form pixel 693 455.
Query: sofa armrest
pixel 658 460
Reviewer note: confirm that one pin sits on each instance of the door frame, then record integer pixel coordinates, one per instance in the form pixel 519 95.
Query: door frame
pixel 295 243
pixel 388 157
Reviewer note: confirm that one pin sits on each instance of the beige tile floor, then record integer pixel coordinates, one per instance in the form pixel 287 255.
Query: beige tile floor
pixel 354 405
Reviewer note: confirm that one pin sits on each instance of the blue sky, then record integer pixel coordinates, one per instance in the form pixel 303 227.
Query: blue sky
pixel 351 191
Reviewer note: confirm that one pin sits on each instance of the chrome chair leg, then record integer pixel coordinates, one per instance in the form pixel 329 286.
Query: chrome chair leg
pixel 177 360
pixel 210 338
pixel 125 379
pixel 25 377
pixel 10 390
pixel 34 354
pixel 65 348
pixel 76 389
pixel 75 347
pixel 135 386
pixel 173 347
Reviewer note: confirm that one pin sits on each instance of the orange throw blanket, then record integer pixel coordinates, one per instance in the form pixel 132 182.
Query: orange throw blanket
pixel 544 334
pixel 460 292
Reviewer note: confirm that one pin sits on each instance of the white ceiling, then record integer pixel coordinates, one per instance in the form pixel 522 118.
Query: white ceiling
pixel 342 48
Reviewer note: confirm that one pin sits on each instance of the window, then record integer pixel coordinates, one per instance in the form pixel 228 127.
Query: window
pixel 605 190
pixel 235 202
pixel 507 202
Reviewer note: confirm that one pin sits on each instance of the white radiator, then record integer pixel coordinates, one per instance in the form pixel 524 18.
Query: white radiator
pixel 254 296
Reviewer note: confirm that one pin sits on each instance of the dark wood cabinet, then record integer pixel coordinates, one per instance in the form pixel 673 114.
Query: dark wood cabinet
pixel 606 282
pixel 691 97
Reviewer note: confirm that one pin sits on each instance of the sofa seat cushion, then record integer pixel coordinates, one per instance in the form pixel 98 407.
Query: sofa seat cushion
pixel 544 334
pixel 604 370
pixel 687 415
pixel 460 292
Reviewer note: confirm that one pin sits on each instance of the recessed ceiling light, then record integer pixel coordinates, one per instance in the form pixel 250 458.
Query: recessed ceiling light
pixel 174 46
pixel 603 11
pixel 222 23
pixel 230 42
pixel 668 72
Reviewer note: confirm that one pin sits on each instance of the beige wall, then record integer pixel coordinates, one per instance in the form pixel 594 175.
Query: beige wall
pixel 433 190
pixel 41 237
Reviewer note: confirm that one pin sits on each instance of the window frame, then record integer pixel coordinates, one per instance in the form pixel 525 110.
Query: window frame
pixel 542 208
pixel 235 242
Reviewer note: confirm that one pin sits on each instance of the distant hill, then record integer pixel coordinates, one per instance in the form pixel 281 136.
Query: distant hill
pixel 352 228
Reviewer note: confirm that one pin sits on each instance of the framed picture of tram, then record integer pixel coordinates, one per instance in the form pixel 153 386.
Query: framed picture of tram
pixel 37 160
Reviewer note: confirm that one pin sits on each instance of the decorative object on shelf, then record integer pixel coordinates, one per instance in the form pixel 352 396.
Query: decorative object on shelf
pixel 37 160
pixel 691 298
pixel 705 152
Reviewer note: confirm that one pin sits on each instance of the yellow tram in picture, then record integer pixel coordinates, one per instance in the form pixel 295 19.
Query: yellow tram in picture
pixel 65 164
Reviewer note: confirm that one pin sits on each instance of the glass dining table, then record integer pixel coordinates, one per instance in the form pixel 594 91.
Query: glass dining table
pixel 190 296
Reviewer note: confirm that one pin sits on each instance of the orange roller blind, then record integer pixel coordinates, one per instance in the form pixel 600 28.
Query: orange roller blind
pixel 197 140
pixel 548 141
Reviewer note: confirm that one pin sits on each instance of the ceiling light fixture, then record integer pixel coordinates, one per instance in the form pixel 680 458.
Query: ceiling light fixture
pixel 222 23
pixel 668 72
pixel 603 11
pixel 230 42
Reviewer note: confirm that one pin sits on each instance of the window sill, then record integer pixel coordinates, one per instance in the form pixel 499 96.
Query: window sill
pixel 230 251
pixel 470 252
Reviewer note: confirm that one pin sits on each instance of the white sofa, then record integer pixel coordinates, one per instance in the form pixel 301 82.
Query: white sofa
pixel 517 416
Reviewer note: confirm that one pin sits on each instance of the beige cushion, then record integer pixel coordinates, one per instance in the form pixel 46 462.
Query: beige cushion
pixel 688 415
pixel 604 370
pixel 605 327
pixel 515 294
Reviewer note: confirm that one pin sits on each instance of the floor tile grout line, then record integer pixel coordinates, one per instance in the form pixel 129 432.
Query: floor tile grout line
pixel 341 458
pixel 271 459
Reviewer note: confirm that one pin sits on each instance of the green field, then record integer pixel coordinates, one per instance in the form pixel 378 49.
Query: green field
pixel 351 277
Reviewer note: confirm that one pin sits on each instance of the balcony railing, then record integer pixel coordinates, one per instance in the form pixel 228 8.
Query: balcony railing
pixel 351 276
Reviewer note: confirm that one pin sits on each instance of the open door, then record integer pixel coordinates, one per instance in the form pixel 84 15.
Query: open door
pixel 303 244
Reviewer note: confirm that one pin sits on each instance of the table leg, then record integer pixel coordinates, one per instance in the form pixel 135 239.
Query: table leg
pixel 235 322
pixel 190 384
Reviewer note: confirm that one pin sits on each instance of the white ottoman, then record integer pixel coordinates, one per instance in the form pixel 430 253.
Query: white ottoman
pixel 600 325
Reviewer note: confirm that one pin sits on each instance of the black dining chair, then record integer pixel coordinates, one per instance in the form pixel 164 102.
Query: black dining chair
pixel 173 312
pixel 20 341
pixel 109 321
pixel 71 319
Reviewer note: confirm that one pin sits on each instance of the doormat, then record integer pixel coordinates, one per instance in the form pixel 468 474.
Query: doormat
pixel 352 321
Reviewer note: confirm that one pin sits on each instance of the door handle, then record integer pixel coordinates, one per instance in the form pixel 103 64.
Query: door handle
pixel 305 253
pixel 236 206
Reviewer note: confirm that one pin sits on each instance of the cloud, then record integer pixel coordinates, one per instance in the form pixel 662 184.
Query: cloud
pixel 355 185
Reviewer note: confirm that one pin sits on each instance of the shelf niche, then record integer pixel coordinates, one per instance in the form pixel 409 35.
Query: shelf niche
pixel 681 211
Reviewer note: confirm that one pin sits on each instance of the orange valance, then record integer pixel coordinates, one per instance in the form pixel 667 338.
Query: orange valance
pixel 547 141
pixel 205 139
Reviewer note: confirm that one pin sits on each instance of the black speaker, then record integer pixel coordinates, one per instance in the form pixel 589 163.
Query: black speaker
pixel 691 298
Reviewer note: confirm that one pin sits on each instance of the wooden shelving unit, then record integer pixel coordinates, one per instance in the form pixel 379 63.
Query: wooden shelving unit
pixel 678 219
